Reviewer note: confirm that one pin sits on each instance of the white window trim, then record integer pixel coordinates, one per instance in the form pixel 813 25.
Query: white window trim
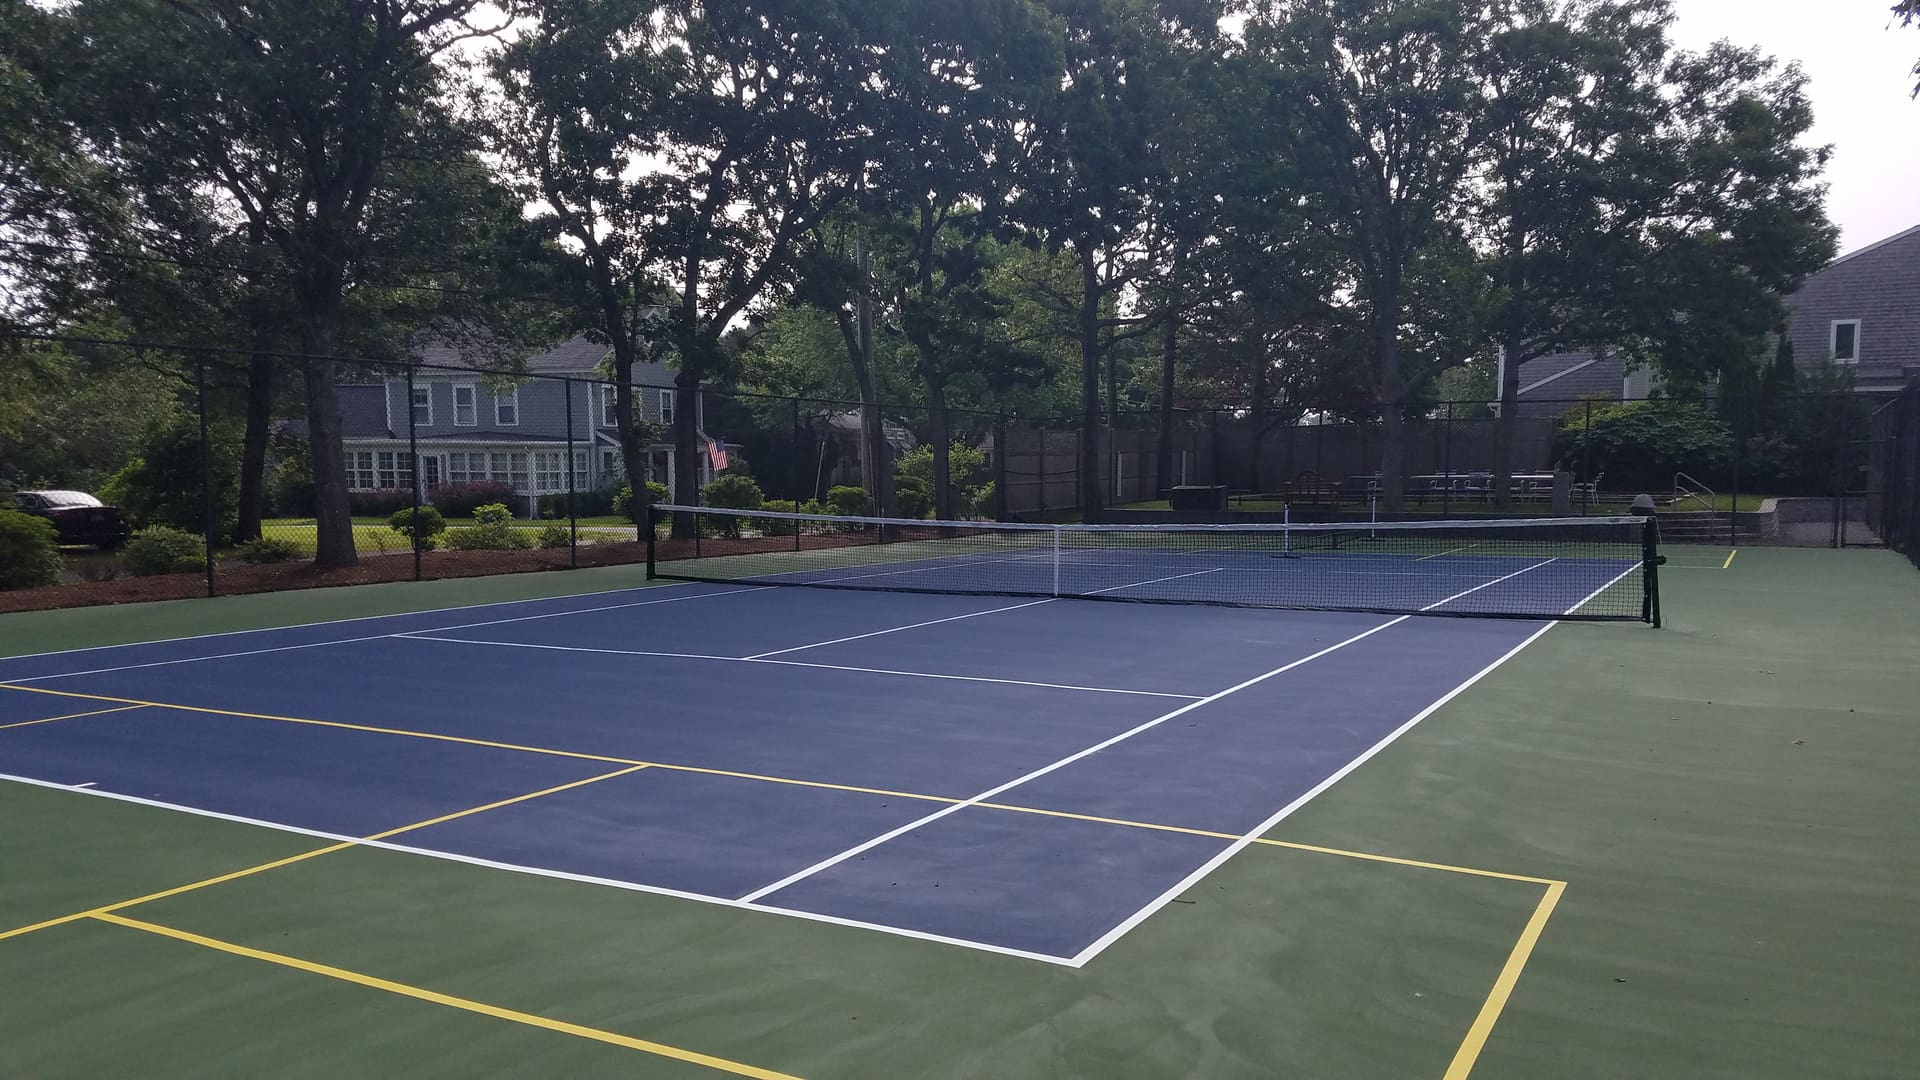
pixel 609 405
pixel 473 393
pixel 427 389
pixel 512 396
pixel 667 405
pixel 1833 341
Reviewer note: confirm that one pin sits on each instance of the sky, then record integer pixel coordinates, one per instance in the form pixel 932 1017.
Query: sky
pixel 1860 71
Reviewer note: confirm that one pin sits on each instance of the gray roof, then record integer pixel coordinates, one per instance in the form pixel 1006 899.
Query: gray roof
pixel 575 356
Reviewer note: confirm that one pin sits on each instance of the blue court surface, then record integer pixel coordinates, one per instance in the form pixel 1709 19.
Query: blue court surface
pixel 1025 776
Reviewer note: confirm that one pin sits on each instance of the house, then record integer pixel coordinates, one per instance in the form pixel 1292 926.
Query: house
pixel 1552 384
pixel 1863 310
pixel 475 424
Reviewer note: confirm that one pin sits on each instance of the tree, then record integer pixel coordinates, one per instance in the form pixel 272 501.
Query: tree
pixel 1385 90
pixel 1909 13
pixel 1091 163
pixel 684 148
pixel 285 117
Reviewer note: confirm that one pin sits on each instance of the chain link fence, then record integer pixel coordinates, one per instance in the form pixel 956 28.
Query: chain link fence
pixel 454 469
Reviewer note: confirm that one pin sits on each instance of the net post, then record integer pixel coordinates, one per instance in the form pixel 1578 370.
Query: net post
pixel 1056 560
pixel 646 524
pixel 1650 577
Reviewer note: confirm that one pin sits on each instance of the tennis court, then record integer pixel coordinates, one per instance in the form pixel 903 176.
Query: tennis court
pixel 817 772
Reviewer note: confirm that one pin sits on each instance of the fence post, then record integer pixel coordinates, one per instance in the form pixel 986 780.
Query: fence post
pixel 573 508
pixel 1586 475
pixel 1446 465
pixel 413 457
pixel 799 480
pixel 1733 508
pixel 206 466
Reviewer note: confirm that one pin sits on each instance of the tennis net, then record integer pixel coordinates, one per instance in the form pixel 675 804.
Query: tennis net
pixel 1576 568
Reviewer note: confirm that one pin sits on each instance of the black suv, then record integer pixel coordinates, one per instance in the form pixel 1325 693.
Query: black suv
pixel 79 517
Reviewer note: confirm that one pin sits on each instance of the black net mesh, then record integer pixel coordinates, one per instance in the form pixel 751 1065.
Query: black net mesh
pixel 1583 568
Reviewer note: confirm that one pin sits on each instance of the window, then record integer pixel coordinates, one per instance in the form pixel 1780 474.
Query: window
pixel 509 469
pixel 666 406
pixel 609 406
pixel 388 477
pixel 464 412
pixel 1846 341
pixel 457 469
pixel 423 406
pixel 579 470
pixel 548 471
pixel 360 470
pixel 506 408
pixel 611 467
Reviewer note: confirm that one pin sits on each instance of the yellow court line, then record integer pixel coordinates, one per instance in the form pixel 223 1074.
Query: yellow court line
pixel 637 764
pixel 450 1001
pixel 305 855
pixel 1730 556
pixel 1476 1040
pixel 1342 852
pixel 72 716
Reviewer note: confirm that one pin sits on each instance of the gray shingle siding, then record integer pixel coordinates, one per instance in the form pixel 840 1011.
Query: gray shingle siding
pixel 1878 285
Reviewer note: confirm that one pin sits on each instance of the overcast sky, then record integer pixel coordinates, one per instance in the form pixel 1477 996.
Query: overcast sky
pixel 1861 80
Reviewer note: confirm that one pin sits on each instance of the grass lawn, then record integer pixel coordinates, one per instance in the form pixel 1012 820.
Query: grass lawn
pixel 373 536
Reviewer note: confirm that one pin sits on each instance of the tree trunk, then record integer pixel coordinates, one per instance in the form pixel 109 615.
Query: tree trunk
pixel 1169 359
pixel 633 454
pixel 942 439
pixel 332 507
pixel 253 448
pixel 686 449
pixel 1506 427
pixel 1091 500
pixel 876 471
pixel 1258 434
pixel 1392 383
pixel 319 321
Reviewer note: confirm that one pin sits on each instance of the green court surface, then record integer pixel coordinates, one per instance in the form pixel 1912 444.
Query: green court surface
pixel 1628 852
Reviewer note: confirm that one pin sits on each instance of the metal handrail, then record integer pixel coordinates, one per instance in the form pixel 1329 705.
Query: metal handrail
pixel 1680 492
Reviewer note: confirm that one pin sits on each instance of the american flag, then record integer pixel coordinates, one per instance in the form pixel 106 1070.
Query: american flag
pixel 717 454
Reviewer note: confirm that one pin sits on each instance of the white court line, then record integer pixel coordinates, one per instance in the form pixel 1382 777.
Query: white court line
pixel 376 637
pixel 471 860
pixel 423 636
pixel 1081 958
pixel 349 619
pixel 1154 581
pixel 955 808
pixel 897 629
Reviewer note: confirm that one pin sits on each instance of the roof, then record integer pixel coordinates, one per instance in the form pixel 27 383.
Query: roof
pixel 575 356
pixel 1877 244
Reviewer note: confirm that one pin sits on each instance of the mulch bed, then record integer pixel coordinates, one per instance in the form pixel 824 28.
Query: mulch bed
pixel 236 578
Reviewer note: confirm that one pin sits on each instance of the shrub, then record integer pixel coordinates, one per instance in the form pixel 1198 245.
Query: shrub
pixel 380 503
pixel 733 491
pixel 492 514
pixel 849 501
pixel 556 535
pixel 268 549
pixel 1641 444
pixel 494 536
pixel 657 494
pixel 162 484
pixel 29 551
pixel 969 479
pixel 458 500
pixel 289 476
pixel 163 549
pixel 913 496
pixel 423 528
pixel 780 526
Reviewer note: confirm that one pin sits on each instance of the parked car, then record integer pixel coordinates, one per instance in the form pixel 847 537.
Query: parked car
pixel 79 517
